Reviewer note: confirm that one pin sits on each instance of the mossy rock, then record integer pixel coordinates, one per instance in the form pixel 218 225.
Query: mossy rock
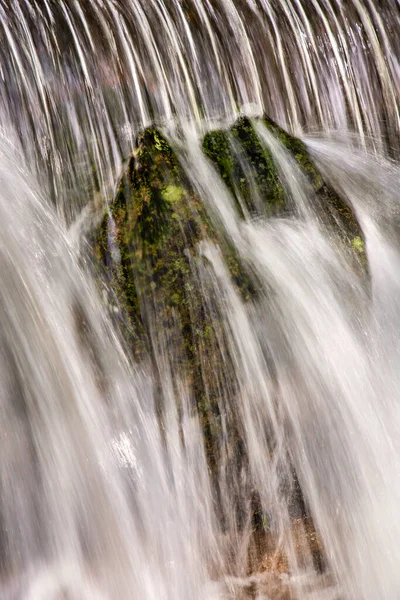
pixel 330 207
pixel 149 237
pixel 247 168
pixel 148 243
pixel 241 160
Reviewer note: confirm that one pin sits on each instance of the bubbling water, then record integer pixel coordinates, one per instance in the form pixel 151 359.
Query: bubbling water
pixel 106 486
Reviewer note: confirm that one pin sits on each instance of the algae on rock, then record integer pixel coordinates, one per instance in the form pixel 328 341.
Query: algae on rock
pixel 148 243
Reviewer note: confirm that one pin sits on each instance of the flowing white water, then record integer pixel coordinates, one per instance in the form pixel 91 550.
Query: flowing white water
pixel 79 77
pixel 334 350
pixel 88 490
pixel 105 490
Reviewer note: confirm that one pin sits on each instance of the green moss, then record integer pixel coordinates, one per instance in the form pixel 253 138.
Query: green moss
pixel 173 193
pixel 358 244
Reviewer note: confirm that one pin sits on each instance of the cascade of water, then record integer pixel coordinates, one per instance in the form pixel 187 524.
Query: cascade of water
pixel 108 487
pixel 79 78
pixel 328 351
pixel 88 489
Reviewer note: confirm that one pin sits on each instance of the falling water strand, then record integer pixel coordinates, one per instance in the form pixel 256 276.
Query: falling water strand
pixel 106 485
pixel 80 78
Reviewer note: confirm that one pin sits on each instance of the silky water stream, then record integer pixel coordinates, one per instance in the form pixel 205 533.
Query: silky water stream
pixel 252 451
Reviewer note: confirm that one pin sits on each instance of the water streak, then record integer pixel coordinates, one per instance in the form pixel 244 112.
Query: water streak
pixel 106 485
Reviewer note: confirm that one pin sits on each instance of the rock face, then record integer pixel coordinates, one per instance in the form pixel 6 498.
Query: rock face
pixel 158 284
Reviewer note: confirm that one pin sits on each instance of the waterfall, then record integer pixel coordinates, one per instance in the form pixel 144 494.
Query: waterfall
pixel 198 353
pixel 79 79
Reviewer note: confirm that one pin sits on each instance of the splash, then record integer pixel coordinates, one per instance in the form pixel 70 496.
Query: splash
pixel 227 427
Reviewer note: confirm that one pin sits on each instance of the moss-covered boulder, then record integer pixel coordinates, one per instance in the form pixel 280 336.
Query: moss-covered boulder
pixel 148 248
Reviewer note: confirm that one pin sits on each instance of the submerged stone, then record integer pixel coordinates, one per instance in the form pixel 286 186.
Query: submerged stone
pixel 148 244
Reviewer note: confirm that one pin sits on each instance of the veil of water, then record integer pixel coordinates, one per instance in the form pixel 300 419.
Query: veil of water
pixel 106 487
